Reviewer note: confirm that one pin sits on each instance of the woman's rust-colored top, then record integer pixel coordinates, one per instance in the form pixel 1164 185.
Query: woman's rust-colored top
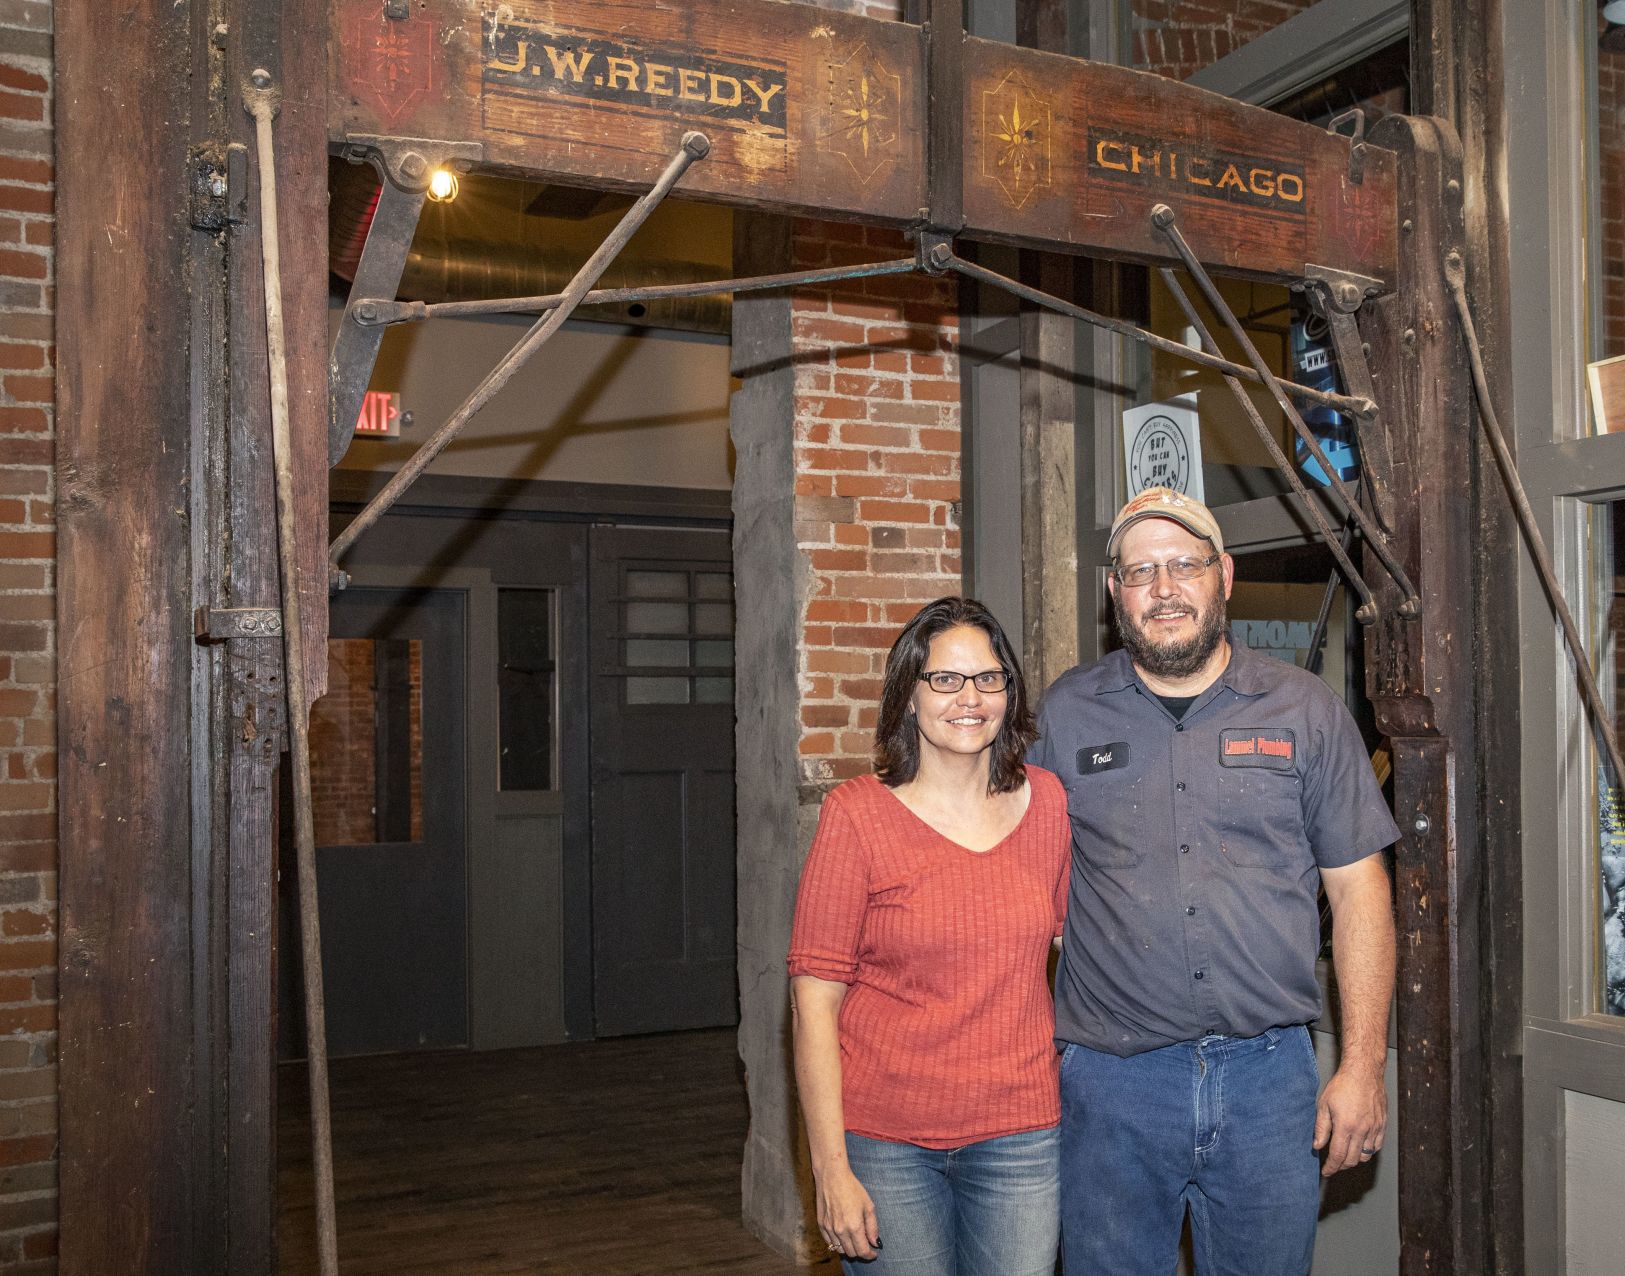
pixel 947 1028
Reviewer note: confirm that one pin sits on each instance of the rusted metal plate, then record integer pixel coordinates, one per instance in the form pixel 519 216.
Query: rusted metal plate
pixel 806 109
pixel 820 112
pixel 1063 151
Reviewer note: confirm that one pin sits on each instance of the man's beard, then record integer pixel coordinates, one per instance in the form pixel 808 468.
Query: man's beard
pixel 1173 659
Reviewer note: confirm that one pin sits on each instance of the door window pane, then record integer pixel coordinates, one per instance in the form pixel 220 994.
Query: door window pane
pixel 527 685
pixel 366 744
pixel 695 607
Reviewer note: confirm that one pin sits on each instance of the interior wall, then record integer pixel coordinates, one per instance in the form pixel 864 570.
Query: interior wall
pixel 596 404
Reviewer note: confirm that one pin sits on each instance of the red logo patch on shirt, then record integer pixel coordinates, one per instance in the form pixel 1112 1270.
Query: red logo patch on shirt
pixel 1257 746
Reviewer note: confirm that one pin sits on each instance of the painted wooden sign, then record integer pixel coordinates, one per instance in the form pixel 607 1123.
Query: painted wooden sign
pixel 819 112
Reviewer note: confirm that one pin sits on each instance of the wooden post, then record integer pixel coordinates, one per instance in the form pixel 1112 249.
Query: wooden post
pixel 1049 429
pixel 1421 686
pixel 170 744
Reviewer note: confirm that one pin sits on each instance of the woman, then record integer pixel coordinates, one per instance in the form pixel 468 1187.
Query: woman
pixel 923 1025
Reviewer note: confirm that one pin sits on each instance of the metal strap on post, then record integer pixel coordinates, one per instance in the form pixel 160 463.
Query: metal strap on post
pixel 1455 274
pixel 262 101
pixel 695 146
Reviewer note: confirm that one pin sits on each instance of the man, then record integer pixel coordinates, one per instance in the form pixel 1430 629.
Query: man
pixel 1212 791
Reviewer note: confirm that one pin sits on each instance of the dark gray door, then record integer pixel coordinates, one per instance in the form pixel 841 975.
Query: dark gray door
pixel 662 780
pixel 388 781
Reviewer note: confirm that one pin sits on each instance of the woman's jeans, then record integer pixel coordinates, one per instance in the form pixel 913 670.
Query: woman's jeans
pixel 986 1209
pixel 1224 1125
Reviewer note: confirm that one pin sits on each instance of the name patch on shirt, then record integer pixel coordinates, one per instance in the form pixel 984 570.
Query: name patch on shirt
pixel 1267 747
pixel 1102 757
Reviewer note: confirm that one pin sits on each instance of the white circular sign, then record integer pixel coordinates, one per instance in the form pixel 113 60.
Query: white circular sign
pixel 1159 456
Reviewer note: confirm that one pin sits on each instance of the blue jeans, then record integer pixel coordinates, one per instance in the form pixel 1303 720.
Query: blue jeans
pixel 1224 1125
pixel 986 1209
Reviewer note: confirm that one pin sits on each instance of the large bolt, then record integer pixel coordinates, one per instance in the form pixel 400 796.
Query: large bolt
pixel 1348 295
pixel 260 78
pixel 413 165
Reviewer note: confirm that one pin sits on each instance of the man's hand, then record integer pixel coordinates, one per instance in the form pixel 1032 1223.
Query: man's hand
pixel 1351 1120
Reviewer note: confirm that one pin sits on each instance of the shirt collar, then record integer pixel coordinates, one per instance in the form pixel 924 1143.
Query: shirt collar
pixel 1246 673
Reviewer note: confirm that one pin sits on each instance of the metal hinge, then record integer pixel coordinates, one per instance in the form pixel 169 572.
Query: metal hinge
pixel 218 624
pixel 1356 136
pixel 219 185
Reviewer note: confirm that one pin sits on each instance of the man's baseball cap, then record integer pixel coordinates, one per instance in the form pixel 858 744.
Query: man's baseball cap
pixel 1164 502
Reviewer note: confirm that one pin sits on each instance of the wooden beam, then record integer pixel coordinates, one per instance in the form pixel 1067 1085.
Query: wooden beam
pixel 824 113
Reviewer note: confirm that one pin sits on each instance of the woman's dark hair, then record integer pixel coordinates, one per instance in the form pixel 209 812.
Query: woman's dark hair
pixel 897 735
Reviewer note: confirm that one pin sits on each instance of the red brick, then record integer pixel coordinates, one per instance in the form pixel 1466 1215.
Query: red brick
pixel 22 921
pixel 26 389
pixel 893 512
pixel 934 391
pixel 840 560
pixel 25 1151
pixel 31 852
pixel 23 265
pixel 41 234
pixel 13 512
pixel 876 435
pixel 813 431
pixel 814 485
pixel 825 715
pixel 826 662
pixel 836 609
pixel 935 489
pixel 16 355
pixel 27 544
pixel 940 440
pixel 855 385
pixel 830 331
pixel 26 199
pixel 822 742
pixel 850 460
pixel 818 636
pixel 40 1244
pixel 15 77
pixel 16 988
pixel 24 420
pixel 817 688
pixel 21 106
pixel 835 409
pixel 870 485
pixel 850 534
pixel 27 1018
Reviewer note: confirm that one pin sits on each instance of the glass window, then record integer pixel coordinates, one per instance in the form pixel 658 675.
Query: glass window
pixel 527 690
pixel 696 609
pixel 1608 548
pixel 366 744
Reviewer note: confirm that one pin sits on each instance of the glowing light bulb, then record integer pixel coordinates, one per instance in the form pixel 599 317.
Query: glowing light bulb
pixel 442 186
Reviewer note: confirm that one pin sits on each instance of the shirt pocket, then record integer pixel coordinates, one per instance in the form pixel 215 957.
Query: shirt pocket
pixel 1261 817
pixel 1108 827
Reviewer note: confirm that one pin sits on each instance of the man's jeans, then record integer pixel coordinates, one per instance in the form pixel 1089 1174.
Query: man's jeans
pixel 1224 1124
pixel 985 1209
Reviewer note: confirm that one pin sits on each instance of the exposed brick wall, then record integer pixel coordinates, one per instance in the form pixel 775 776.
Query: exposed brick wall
pixel 877 480
pixel 343 753
pixel 1611 153
pixel 28 1139
pixel 1177 38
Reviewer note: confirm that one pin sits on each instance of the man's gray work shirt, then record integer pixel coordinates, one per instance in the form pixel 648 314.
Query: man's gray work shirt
pixel 1197 847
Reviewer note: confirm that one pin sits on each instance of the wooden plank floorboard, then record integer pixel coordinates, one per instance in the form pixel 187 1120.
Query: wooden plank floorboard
pixel 614 1158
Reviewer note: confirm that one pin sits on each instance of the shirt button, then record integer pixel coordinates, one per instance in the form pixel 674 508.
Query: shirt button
pixel 1180 786
pixel 1184 850
pixel 1198 974
pixel 1190 911
pixel 1179 726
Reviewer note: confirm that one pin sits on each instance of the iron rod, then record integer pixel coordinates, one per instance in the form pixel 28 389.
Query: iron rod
pixel 1162 217
pixel 390 312
pixel 952 261
pixel 1455 273
pixel 262 106
pixel 695 146
pixel 1367 611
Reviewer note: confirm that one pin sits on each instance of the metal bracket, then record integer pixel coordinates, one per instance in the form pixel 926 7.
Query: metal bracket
pixel 1376 448
pixel 1357 136
pixel 1344 290
pixel 407 163
pixel 218 624
pixel 933 251
pixel 397 10
pixel 219 185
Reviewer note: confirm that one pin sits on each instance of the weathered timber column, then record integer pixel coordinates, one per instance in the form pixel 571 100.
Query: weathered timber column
pixel 1049 429
pixel 1421 683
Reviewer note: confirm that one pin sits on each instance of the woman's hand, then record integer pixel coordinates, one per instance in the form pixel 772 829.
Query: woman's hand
pixel 846 1215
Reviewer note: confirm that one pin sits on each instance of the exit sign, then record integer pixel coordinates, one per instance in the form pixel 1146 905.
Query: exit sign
pixel 380 415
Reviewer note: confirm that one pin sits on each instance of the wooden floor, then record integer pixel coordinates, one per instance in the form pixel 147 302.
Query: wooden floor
pixel 616 1158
